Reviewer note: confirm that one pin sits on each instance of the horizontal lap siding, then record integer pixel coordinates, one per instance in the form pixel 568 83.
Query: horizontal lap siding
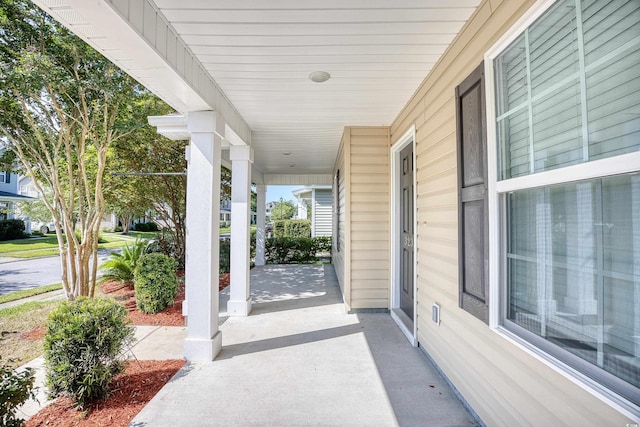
pixel 337 256
pixel 369 217
pixel 323 213
pixel 503 384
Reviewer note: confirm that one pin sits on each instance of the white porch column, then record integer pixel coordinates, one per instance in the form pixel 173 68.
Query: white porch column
pixel 261 206
pixel 240 298
pixel 204 340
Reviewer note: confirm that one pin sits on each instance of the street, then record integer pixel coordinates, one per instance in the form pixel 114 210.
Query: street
pixel 32 273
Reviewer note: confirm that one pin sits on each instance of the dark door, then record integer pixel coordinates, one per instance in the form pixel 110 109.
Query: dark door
pixel 406 230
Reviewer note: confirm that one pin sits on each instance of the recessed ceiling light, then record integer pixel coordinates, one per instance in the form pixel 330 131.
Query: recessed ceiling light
pixel 319 76
pixel 286 153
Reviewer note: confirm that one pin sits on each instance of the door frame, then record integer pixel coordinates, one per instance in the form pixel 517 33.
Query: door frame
pixel 408 326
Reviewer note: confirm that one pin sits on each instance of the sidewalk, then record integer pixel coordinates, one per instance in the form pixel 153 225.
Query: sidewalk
pixel 152 343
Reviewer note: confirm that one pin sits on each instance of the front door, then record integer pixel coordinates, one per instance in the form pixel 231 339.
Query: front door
pixel 406 230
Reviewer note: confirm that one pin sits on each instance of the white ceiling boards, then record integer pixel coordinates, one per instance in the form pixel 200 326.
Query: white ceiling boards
pixel 251 60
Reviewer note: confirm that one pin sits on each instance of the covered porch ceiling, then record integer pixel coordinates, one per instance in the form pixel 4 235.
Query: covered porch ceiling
pixel 251 59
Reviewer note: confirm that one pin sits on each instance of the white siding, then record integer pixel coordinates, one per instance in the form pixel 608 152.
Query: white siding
pixel 505 385
pixel 322 213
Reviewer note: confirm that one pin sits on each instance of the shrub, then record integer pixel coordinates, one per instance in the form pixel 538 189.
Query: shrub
pixel 322 244
pixel 145 226
pixel 15 388
pixel 297 228
pixel 156 284
pixel 82 347
pixel 121 266
pixel 291 250
pixel 225 256
pixel 11 229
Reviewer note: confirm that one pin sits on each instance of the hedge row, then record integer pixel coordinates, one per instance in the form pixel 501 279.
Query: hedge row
pixel 292 228
pixel 292 250
pixel 11 229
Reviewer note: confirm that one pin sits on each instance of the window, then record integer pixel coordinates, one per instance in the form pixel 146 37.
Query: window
pixel 3 177
pixel 567 124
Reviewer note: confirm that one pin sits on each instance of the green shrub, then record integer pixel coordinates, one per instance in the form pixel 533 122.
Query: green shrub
pixel 11 229
pixel 297 228
pixel 155 281
pixel 278 228
pixel 15 389
pixel 121 266
pixel 225 255
pixel 292 250
pixel 322 244
pixel 145 226
pixel 82 348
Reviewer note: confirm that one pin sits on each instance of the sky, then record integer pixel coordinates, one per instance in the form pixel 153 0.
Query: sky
pixel 274 192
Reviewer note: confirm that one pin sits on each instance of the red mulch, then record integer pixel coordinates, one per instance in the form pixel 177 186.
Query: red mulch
pixel 170 316
pixel 34 334
pixel 132 390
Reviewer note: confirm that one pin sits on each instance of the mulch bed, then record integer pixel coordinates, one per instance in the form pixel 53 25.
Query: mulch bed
pixel 134 388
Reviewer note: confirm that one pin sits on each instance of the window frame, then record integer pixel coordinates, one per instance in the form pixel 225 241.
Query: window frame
pixel 552 356
pixel 3 177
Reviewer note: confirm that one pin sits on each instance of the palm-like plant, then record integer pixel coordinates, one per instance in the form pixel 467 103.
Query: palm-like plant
pixel 122 265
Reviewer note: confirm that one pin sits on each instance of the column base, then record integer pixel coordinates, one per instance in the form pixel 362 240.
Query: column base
pixel 201 349
pixel 237 308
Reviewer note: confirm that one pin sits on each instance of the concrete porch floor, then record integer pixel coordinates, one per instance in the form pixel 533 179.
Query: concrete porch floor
pixel 299 360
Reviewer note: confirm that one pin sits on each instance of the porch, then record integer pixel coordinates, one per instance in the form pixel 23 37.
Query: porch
pixel 298 359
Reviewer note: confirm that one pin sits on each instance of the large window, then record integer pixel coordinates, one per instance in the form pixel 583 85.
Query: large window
pixel 568 99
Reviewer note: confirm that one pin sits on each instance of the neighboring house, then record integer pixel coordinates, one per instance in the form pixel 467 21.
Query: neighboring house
pixel 319 199
pixel 269 208
pixel 487 194
pixel 9 195
pixel 27 188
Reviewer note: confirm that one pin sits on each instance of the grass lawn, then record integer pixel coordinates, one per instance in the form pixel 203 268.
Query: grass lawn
pixel 22 331
pixel 14 296
pixel 48 245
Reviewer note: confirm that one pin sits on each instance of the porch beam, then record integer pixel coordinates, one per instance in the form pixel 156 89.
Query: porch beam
pixel 204 340
pixel 261 208
pixel 240 297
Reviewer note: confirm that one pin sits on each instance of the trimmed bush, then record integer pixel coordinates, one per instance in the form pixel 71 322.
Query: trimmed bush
pixel 322 244
pixel 297 228
pixel 278 228
pixel 11 229
pixel 155 282
pixel 145 226
pixel 225 256
pixel 82 348
pixel 15 389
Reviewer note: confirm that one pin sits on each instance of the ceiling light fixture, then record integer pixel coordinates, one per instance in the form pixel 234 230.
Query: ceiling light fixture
pixel 292 165
pixel 319 76
pixel 286 153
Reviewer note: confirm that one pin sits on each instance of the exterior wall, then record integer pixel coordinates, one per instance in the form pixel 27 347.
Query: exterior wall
pixel 363 260
pixel 505 385
pixel 322 213
pixel 338 257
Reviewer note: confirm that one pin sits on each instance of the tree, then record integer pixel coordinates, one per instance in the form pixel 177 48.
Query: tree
pixel 61 108
pixel 284 209
pixel 146 176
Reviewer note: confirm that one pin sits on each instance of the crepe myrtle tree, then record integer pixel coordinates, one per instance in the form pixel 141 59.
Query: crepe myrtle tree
pixel 61 108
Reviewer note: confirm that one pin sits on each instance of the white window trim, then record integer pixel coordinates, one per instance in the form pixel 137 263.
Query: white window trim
pixel 3 177
pixel 409 137
pixel 627 163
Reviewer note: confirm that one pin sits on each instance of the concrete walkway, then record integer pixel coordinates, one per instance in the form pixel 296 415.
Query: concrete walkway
pixel 299 360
